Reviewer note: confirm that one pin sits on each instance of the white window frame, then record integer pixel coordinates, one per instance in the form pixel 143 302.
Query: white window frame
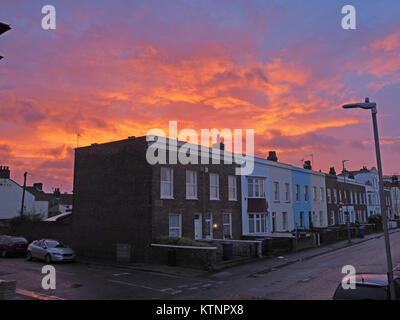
pixel 256 183
pixel 232 186
pixel 259 220
pixel 298 194
pixel 216 186
pixel 284 221
pixel 306 195
pixel 287 192
pixel 208 225
pixel 179 228
pixel 191 184
pixel 328 195
pixel 322 192
pixel 224 224
pixel 276 191
pixel 167 182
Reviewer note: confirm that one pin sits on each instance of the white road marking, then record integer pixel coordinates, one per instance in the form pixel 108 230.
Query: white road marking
pixel 121 274
pixel 166 290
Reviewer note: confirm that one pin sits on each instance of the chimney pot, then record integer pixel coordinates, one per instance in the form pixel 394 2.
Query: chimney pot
pixel 272 156
pixel 307 165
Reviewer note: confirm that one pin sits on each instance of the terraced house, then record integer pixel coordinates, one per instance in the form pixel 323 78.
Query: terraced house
pixel 267 199
pixel 346 199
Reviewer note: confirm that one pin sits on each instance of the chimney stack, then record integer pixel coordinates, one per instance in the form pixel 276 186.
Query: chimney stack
pixel 4 172
pixel 332 171
pixel 38 186
pixel 272 156
pixel 307 165
pixel 219 144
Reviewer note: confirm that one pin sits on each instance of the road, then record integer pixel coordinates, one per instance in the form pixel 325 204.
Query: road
pixel 315 278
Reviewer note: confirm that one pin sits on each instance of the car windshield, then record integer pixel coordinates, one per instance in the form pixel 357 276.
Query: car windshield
pixel 54 244
pixel 15 240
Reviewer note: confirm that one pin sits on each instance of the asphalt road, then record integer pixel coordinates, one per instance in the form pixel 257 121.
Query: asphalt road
pixel 316 278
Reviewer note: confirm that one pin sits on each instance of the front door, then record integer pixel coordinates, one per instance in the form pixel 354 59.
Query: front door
pixel 197 227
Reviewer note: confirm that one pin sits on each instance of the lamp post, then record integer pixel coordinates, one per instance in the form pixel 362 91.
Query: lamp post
pixel 372 106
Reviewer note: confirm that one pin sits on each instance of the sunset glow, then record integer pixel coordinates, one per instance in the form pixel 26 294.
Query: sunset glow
pixel 114 69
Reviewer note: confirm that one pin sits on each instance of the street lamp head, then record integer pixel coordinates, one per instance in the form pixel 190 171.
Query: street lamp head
pixel 362 105
pixel 4 27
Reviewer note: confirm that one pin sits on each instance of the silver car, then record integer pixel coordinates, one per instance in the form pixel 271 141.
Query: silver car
pixel 50 251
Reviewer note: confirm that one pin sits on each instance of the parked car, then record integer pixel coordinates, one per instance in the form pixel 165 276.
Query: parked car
pixel 49 250
pixel 12 246
pixel 369 286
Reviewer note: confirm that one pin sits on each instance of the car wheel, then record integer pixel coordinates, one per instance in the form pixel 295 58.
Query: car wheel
pixel 29 256
pixel 47 259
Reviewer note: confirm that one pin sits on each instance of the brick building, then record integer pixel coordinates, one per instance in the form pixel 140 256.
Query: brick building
pixel 345 198
pixel 120 198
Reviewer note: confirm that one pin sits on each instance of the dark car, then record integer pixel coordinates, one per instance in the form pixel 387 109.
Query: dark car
pixel 369 286
pixel 12 246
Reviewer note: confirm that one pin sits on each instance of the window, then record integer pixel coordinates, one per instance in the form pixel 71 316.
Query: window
pixel 232 188
pixel 284 221
pixel 315 196
pixel 301 219
pixel 332 219
pixel 175 225
pixel 287 192
pixel 227 225
pixel 273 221
pixel 321 193
pixel 334 196
pixel 214 186
pixel 355 198
pixel 351 197
pixel 257 223
pixel 297 192
pixel 191 184
pixel 305 193
pixel 321 218
pixel 208 226
pixel 167 186
pixel 256 187
pixel 276 190
pixel 329 196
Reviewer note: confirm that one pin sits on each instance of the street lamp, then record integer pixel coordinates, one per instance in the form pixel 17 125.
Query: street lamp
pixel 372 106
pixel 4 28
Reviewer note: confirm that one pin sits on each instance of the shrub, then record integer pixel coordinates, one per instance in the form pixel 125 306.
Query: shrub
pixel 181 242
pixel 375 219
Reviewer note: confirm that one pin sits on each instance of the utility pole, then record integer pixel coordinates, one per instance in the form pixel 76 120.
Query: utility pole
pixel 23 196
pixel 347 213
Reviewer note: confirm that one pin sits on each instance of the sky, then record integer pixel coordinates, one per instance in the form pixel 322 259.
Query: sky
pixel 113 69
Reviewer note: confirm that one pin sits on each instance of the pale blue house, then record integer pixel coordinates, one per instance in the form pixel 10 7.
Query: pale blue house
pixel 302 202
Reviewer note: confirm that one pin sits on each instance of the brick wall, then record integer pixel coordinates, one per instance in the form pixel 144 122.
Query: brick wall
pixel 188 208
pixel 112 202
